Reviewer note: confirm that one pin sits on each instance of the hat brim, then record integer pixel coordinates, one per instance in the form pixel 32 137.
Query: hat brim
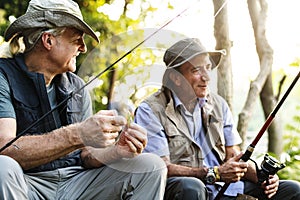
pixel 47 19
pixel 214 56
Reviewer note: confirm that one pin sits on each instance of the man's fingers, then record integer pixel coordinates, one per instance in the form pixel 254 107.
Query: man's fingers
pixel 138 145
pixel 137 136
pixel 238 157
pixel 118 120
pixel 131 146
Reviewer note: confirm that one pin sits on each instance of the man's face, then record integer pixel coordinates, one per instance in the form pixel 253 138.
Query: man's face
pixel 67 47
pixel 196 72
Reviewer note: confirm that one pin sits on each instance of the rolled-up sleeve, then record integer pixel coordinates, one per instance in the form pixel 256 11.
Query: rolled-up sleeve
pixel 157 141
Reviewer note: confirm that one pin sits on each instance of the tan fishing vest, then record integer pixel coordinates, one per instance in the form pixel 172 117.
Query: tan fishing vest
pixel 183 149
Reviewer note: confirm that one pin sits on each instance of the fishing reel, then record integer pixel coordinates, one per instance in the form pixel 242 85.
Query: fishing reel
pixel 269 166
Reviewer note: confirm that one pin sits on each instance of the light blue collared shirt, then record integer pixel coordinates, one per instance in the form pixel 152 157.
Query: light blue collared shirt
pixel 158 144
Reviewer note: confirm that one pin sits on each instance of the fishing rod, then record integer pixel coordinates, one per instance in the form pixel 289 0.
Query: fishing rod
pixel 246 156
pixel 72 94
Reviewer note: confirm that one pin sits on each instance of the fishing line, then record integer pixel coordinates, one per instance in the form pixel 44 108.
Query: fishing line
pixel 73 93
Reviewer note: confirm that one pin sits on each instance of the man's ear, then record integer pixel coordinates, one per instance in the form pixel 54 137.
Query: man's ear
pixel 47 40
pixel 175 76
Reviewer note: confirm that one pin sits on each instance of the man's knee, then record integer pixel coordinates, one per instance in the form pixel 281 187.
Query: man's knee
pixel 9 168
pixel 12 182
pixel 185 188
pixel 144 163
pixel 289 188
pixel 192 185
pixel 151 162
pixel 293 185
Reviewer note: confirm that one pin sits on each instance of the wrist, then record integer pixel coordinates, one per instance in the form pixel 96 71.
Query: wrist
pixel 72 134
pixel 210 176
pixel 201 173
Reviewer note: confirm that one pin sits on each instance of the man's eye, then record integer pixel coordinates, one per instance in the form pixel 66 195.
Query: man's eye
pixel 196 70
pixel 208 67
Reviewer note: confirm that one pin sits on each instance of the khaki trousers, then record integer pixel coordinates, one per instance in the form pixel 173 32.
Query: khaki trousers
pixel 143 177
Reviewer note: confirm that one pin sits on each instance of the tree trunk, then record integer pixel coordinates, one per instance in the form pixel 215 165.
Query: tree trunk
pixel 258 24
pixel 225 87
pixel 269 101
pixel 262 85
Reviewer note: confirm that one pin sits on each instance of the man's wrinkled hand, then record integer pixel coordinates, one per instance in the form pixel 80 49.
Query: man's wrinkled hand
pixel 233 169
pixel 132 141
pixel 101 129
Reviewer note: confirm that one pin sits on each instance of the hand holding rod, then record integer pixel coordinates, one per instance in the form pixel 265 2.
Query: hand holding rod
pixel 266 125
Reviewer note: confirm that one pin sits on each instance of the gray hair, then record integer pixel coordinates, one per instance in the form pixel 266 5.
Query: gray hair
pixel 27 40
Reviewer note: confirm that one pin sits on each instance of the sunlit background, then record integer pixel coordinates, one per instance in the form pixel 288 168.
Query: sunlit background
pixel 283 34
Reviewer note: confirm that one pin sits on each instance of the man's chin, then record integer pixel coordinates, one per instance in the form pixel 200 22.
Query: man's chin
pixel 72 68
pixel 202 94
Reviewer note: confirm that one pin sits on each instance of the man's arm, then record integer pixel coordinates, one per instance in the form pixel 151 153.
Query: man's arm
pixel 179 170
pixel 32 151
pixel 231 171
pixel 100 130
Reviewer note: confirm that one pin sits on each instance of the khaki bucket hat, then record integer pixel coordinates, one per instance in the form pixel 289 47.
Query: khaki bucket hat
pixel 184 50
pixel 49 14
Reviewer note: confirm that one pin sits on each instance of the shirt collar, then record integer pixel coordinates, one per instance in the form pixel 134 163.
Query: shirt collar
pixel 177 101
pixel 202 101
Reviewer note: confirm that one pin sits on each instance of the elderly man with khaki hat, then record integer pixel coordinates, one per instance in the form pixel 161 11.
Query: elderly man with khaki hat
pixel 192 129
pixel 68 153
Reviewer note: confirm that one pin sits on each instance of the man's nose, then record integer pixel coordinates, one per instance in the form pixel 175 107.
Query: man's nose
pixel 82 48
pixel 205 76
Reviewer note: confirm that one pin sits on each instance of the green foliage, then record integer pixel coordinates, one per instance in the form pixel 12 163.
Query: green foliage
pixel 295 63
pixel 292 138
pixel 10 8
pixel 114 43
pixel 102 61
pixel 291 154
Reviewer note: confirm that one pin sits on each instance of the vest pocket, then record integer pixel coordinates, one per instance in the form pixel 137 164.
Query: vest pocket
pixel 74 109
pixel 26 115
pixel 181 150
pixel 26 107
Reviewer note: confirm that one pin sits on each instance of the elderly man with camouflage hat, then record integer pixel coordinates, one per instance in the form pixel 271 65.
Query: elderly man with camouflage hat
pixel 68 153
pixel 192 129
